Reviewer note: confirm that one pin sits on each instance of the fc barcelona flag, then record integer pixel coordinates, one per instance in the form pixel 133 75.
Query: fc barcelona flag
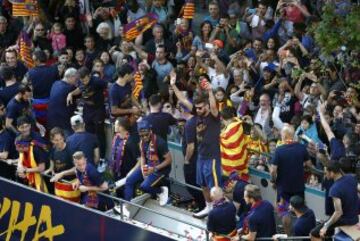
pixel 140 25
pixel 188 10
pixel 25 45
pixel 138 86
pixel 23 8
pixel 66 191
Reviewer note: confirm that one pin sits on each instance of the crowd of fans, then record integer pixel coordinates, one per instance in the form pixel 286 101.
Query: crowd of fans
pixel 245 85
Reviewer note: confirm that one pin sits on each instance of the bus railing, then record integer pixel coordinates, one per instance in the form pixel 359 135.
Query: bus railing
pixel 121 202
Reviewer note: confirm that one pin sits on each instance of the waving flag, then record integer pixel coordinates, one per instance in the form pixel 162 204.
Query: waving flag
pixel 25 45
pixel 233 147
pixel 138 86
pixel 66 191
pixel 24 8
pixel 140 25
pixel 188 10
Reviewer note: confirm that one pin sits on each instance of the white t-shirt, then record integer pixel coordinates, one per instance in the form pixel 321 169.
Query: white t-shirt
pixel 217 80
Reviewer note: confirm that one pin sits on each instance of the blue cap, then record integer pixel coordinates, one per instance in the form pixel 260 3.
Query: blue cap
pixel 270 67
pixel 250 53
pixel 143 125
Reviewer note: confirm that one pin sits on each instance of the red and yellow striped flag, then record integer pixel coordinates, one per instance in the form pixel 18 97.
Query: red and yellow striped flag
pixel 188 10
pixel 233 147
pixel 258 146
pixel 140 25
pixel 23 8
pixel 25 45
pixel 138 85
pixel 66 191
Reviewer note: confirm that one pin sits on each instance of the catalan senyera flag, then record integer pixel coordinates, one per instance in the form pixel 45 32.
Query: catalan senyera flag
pixel 66 191
pixel 23 8
pixel 233 147
pixel 138 85
pixel 34 178
pixel 258 146
pixel 25 45
pixel 188 10
pixel 140 25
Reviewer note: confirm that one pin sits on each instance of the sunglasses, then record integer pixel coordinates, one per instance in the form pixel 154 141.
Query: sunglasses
pixel 145 134
pixel 40 29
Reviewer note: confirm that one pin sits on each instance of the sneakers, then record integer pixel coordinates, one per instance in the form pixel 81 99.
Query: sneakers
pixel 163 196
pixel 203 213
pixel 126 212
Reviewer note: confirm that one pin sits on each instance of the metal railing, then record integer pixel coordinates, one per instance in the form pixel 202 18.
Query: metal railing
pixel 121 202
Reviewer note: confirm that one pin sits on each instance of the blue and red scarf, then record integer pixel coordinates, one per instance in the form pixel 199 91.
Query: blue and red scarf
pixel 90 199
pixel 118 152
pixel 148 151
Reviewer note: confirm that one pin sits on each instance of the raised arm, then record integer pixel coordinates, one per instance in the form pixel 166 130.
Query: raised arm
pixel 178 93
pixel 329 133
pixel 213 108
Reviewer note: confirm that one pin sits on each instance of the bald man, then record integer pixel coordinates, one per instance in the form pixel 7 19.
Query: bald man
pixel 222 218
pixel 287 168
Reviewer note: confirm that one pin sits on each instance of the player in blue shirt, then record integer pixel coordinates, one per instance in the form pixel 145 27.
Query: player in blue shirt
pixel 305 217
pixel 260 220
pixel 121 103
pixel 221 220
pixel 345 198
pixel 89 181
pixel 83 141
pixel 7 152
pixel 154 165
pixel 208 171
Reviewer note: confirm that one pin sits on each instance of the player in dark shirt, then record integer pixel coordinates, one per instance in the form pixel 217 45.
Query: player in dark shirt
pixel 208 132
pixel 83 141
pixel 154 165
pixel 11 85
pixel 7 152
pixel 222 218
pixel 125 149
pixel 305 217
pixel 61 163
pixel 260 220
pixel 160 121
pixel 91 89
pixel 344 195
pixel 89 181
pixel 59 111
pixel 33 155
pixel 120 93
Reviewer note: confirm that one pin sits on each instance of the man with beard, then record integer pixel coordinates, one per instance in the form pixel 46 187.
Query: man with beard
pixel 208 132
pixel 19 106
pixel 33 155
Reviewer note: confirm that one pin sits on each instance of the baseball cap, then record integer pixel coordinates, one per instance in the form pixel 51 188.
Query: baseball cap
pixel 76 119
pixel 270 67
pixel 298 203
pixel 143 125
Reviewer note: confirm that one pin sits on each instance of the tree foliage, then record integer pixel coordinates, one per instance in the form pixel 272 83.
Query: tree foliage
pixel 336 30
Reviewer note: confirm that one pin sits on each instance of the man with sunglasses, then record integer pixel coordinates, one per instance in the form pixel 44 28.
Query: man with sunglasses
pixel 207 132
pixel 154 165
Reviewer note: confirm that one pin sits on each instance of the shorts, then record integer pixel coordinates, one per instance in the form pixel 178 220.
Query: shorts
pixel 208 172
pixel 315 232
